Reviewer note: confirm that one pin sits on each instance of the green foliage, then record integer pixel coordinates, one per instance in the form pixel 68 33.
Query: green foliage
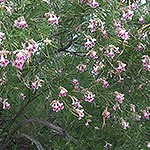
pixel 55 63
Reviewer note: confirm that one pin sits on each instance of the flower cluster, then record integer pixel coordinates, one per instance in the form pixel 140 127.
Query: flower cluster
pixel 119 97
pixel 124 124
pixel 52 18
pixel 97 66
pixel 146 62
pixel 77 107
pixel 88 96
pixel 5 104
pixel 31 46
pixel 90 42
pixel 2 36
pixel 63 91
pixel 3 58
pixel 91 3
pixel 121 66
pixel 110 52
pixel 92 54
pixel 75 83
pixel 21 57
pixel 37 83
pixel 96 23
pixel 20 23
pixel 103 81
pixel 57 105
pixel 81 68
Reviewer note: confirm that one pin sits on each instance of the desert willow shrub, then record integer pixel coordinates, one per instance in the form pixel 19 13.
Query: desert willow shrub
pixel 76 55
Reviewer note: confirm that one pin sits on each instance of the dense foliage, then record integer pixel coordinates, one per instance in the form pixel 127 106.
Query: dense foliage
pixel 74 74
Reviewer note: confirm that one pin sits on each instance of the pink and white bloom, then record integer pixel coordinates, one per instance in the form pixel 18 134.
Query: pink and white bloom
pixel 141 20
pixel 146 114
pixel 89 96
pixel 52 18
pixel 97 67
pixel 133 6
pixel 57 105
pixel 20 23
pixel 75 83
pixel 87 124
pixel 2 36
pixel 81 68
pixel 80 113
pixel 93 3
pixel 106 114
pixel 90 42
pixel 103 81
pixel 75 102
pixel 124 124
pixel 63 91
pixel 3 58
pixel 121 66
pixel 21 56
pixel 37 83
pixel 2 1
pixel 6 105
pixel 119 97
pixel 122 33
pixel 92 54
pixel 31 46
pixel 146 62
pixel 116 107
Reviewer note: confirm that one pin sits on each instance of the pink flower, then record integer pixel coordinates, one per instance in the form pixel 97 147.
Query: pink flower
pixel 93 3
pixel 97 67
pixel 75 102
pixel 52 18
pixel 87 122
pixel 37 83
pixel 21 96
pixel 75 83
pixel 20 23
pixel 133 6
pixel 105 84
pixel 89 96
pixel 117 23
pixel 90 42
pixel 63 91
pixel 3 58
pixel 2 36
pixel 148 145
pixel 137 117
pixel 119 97
pixel 132 107
pixel 21 56
pixel 81 68
pixel 116 107
pixel 130 14
pixel 141 20
pixel 6 105
pixel 146 114
pixel 121 66
pixel 2 1
pixel 122 33
pixel 56 105
pixel 146 62
pixel 124 124
pixel 31 46
pixel 106 114
pixel 92 54
pixel 80 113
